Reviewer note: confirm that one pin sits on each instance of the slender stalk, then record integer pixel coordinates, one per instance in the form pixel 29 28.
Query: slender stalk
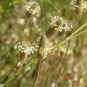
pixel 49 1
pixel 39 63
pixel 18 73
pixel 22 32
pixel 79 34
pixel 64 59
pixel 70 37
pixel 63 62
pixel 50 73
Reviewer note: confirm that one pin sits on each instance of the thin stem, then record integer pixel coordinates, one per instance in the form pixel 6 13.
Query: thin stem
pixel 18 73
pixel 63 62
pixel 64 59
pixel 49 1
pixel 22 32
pixel 39 63
pixel 50 73
pixel 79 34
pixel 70 37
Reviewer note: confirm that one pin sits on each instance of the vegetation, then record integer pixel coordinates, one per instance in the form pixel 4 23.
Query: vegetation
pixel 43 43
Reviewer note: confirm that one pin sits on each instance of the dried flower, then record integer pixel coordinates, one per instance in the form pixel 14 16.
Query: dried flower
pixel 32 8
pixel 79 6
pixel 26 47
pixel 57 24
pixel 42 51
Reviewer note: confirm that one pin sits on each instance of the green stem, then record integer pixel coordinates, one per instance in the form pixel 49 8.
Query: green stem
pixel 18 73
pixel 49 1
pixel 79 34
pixel 70 37
pixel 39 63
pixel 22 32
pixel 64 61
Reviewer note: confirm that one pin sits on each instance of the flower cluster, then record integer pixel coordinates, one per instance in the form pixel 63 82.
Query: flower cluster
pixel 60 24
pixel 42 53
pixel 26 47
pixel 79 6
pixel 32 8
pixel 42 50
pixel 57 24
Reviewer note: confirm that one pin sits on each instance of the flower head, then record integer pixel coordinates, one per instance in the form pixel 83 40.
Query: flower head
pixel 60 24
pixel 32 8
pixel 42 50
pixel 79 6
pixel 26 47
pixel 57 24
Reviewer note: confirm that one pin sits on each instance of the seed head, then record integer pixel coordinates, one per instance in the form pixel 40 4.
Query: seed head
pixel 79 6
pixel 61 33
pixel 42 50
pixel 57 24
pixel 26 47
pixel 50 31
pixel 32 8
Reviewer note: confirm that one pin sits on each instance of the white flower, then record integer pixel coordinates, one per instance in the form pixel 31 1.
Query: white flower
pixel 74 4
pixel 26 47
pixel 32 7
pixel 60 24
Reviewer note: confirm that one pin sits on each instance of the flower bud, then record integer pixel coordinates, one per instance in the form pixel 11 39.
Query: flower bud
pixel 54 26
pixel 42 50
